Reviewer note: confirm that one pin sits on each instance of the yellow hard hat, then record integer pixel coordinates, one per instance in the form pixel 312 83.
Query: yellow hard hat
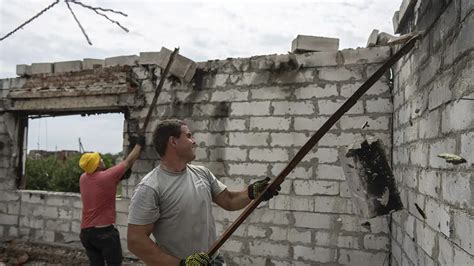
pixel 89 162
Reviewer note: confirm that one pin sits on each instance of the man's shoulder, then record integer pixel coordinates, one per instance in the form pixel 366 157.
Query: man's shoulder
pixel 199 169
pixel 150 179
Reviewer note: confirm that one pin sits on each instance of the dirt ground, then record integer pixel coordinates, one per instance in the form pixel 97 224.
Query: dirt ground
pixel 13 252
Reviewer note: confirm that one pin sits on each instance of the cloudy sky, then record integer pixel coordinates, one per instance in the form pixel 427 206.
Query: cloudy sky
pixel 203 30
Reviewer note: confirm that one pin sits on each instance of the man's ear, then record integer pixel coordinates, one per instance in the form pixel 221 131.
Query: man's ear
pixel 172 141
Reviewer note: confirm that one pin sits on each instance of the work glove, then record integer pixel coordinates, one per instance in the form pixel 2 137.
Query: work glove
pixel 136 138
pixel 196 259
pixel 259 186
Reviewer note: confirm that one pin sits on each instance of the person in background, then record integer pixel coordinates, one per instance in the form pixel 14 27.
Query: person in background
pixel 98 187
pixel 173 202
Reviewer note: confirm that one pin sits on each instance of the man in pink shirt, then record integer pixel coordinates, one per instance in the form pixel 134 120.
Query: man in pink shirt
pixel 98 187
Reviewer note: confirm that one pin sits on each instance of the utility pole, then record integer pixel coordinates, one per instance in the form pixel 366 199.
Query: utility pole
pixel 81 148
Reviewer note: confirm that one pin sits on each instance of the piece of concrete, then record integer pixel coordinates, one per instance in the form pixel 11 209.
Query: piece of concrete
pixel 395 21
pixel 67 66
pixel 90 63
pixel 305 43
pixel 125 60
pixel 41 68
pixel 23 70
pixel 149 58
pixel 372 41
pixel 183 68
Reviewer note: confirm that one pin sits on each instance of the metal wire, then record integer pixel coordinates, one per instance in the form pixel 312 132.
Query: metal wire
pixel 95 9
pixel 31 19
pixel 78 23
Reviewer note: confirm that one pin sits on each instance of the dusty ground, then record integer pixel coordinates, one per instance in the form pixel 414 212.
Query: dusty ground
pixel 15 252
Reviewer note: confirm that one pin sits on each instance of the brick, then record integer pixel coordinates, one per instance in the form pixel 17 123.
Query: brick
pixel 293 108
pixel 210 139
pixel 288 139
pixel 268 155
pixel 316 91
pixel 227 124
pixel 313 187
pixel 182 67
pixel 454 117
pixel 284 202
pixel 292 77
pixel 356 257
pixel 303 123
pixel 305 43
pixel 467 142
pixel 314 254
pixel 438 216
pixel 270 93
pixel 248 139
pixel 457 188
pixel 366 55
pixel 253 108
pixel 312 220
pixel 430 125
pixel 333 205
pixel 430 183
pixel 329 107
pixel 67 66
pixel 317 59
pixel 463 230
pixel 41 68
pixel 446 145
pixel 90 63
pixel 376 242
pixel 265 248
pixel 248 169
pixel 379 105
pixel 232 95
pixel 23 70
pixel 440 93
pixel 228 154
pixel 356 122
pixel 339 74
pixel 269 123
pixel 125 60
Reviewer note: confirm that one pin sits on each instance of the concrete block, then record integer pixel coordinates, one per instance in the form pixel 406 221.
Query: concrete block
pixel 317 59
pixel 329 107
pixel 313 187
pixel 90 63
pixel 210 139
pixel 230 95
pixel 226 124
pixel 467 144
pixel 288 139
pixel 23 70
pixel 466 7
pixel 41 68
pixel 314 254
pixel 264 248
pixel 312 220
pixel 248 139
pixel 333 205
pixel 372 41
pixel 430 183
pixel 339 74
pixel 303 123
pixel 67 66
pixel 419 155
pixel 268 155
pixel 265 216
pixel 249 79
pixel 454 117
pixel 450 254
pixel 285 202
pixel 379 105
pixel 330 172
pixel 149 58
pixel 464 230
pixel 376 242
pixel 438 216
pixel 293 108
pixel 270 93
pixel 359 257
pixel 269 123
pixel 316 91
pixel 366 55
pixel 125 60
pixel 395 19
pixel 183 68
pixel 430 125
pixel 457 188
pixel 250 108
pixel 305 43
pixel 292 77
pixel 228 154
pixel 356 122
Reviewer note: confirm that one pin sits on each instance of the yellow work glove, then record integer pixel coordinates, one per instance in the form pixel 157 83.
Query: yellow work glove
pixel 259 186
pixel 196 259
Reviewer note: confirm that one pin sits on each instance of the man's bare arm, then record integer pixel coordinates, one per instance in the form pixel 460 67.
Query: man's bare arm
pixel 140 244
pixel 232 200
pixel 132 156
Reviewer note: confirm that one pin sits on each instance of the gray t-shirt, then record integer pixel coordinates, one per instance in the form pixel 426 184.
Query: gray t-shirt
pixel 179 206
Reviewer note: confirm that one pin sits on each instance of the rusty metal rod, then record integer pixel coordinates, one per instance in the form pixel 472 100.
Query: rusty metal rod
pixel 313 141
pixel 158 89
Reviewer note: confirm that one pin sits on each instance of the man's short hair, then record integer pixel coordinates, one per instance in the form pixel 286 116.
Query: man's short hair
pixel 163 131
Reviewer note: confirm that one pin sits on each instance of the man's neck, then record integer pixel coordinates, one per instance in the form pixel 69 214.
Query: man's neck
pixel 173 166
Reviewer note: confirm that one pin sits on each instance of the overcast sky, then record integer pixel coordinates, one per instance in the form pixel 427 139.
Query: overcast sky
pixel 203 30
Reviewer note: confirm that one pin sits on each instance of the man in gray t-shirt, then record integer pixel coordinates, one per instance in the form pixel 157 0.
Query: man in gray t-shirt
pixel 173 202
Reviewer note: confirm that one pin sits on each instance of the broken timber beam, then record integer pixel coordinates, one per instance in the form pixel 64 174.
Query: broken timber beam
pixel 314 140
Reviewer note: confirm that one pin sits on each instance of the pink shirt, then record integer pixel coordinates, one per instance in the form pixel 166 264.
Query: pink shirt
pixel 98 195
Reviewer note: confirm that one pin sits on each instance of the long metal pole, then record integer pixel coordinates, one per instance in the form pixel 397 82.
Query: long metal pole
pixel 313 141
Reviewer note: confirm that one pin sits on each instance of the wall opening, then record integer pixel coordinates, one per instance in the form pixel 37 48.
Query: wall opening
pixel 53 145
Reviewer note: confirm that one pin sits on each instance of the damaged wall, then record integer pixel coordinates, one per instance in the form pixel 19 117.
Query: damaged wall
pixel 249 117
pixel 434 107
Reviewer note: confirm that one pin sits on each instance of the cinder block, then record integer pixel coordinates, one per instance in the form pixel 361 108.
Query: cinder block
pixel 23 70
pixel 125 60
pixel 67 66
pixel 293 108
pixel 372 41
pixel 183 68
pixel 247 108
pixel 268 155
pixel 41 68
pixel 90 63
pixel 269 123
pixel 395 20
pixel 270 93
pixel 305 43
pixel 248 169
pixel 339 74
pixel 315 254
pixel 149 58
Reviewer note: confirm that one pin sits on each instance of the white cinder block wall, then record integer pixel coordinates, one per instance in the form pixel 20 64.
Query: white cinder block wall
pixel 433 114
